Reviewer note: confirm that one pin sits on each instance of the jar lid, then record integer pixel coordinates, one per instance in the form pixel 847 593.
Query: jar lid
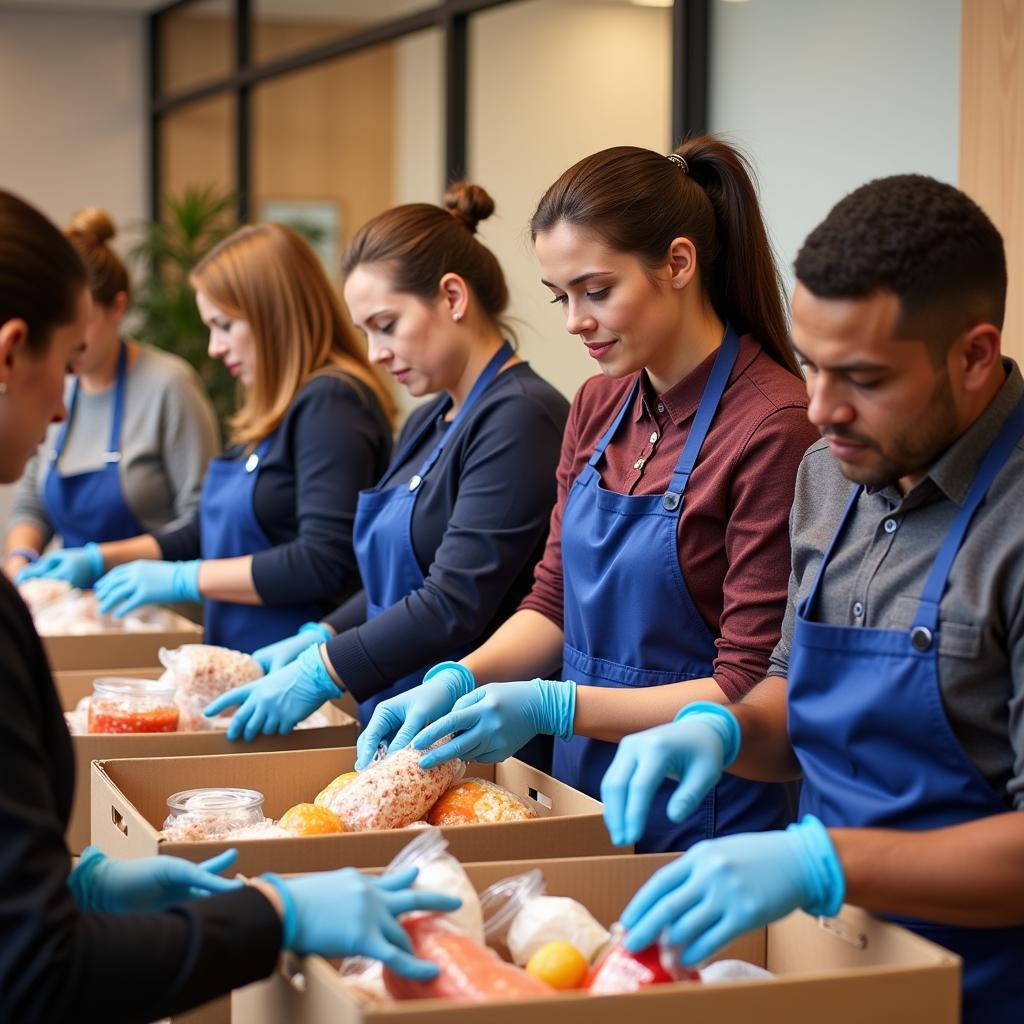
pixel 214 800
pixel 122 686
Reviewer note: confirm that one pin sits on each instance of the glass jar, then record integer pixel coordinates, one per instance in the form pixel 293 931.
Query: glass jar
pixel 132 705
pixel 198 814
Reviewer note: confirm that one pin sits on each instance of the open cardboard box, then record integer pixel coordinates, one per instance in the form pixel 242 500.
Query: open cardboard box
pixel 129 805
pixel 845 970
pixel 72 686
pixel 117 649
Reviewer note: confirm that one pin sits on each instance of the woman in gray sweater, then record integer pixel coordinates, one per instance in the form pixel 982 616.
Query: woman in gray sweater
pixel 140 431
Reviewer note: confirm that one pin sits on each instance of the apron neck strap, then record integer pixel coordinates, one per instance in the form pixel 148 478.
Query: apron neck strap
pixel 599 448
pixel 851 504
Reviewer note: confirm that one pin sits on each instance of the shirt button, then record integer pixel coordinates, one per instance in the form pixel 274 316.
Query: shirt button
pixel 661 407
pixel 654 437
pixel 858 609
pixel 890 525
pixel 639 464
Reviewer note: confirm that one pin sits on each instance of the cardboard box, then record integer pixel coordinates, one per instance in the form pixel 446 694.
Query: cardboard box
pixel 118 649
pixel 129 805
pixel 72 686
pixel 848 970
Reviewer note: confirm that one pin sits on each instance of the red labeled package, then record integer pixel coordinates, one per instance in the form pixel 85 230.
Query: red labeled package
pixel 470 972
pixel 620 971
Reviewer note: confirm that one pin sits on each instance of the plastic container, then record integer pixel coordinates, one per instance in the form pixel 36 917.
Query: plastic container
pixel 198 814
pixel 132 705
pixel 619 971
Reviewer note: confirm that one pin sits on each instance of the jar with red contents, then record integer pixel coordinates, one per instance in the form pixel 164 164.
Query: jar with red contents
pixel 132 706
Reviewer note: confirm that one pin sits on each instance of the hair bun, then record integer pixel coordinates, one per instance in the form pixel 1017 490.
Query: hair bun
pixel 468 204
pixel 92 225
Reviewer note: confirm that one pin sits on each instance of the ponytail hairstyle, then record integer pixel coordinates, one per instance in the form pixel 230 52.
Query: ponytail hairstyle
pixel 41 275
pixel 637 201
pixel 420 243
pixel 268 276
pixel 89 231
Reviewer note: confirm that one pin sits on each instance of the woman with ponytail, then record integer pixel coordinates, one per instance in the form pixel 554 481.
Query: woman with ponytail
pixel 664 579
pixel 447 539
pixel 140 430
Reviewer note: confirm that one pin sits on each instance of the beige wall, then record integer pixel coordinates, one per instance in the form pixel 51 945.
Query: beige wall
pixel 992 135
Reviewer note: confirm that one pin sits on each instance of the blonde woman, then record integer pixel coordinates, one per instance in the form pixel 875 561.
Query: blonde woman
pixel 271 547
pixel 140 430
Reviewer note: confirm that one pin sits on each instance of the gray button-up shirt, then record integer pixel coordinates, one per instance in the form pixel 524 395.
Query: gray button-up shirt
pixel 879 568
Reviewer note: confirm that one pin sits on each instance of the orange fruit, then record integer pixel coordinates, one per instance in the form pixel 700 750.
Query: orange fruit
pixel 327 794
pixel 310 820
pixel 558 963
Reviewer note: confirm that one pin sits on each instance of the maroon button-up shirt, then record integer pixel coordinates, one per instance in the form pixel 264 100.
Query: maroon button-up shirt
pixel 733 536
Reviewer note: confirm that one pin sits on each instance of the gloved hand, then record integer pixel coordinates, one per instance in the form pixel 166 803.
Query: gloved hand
pixel 277 703
pixel 284 652
pixel 723 887
pixel 149 883
pixel 81 567
pixel 346 913
pixel 494 721
pixel 134 584
pixel 398 719
pixel 696 748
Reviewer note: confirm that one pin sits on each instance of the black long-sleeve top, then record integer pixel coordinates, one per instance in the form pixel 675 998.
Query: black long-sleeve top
pixel 57 963
pixel 478 529
pixel 333 442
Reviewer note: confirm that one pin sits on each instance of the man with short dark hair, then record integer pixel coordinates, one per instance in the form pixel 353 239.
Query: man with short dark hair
pixel 897 689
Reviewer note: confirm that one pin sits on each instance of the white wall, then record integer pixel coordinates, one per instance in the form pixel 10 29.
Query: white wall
pixel 825 95
pixel 72 116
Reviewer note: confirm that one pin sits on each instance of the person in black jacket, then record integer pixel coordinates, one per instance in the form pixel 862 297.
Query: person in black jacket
pixel 122 940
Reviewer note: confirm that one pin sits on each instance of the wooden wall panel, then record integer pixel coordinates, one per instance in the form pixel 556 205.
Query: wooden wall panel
pixel 992 135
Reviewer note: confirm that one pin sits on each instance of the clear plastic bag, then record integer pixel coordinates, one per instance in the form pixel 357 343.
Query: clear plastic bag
pixel 201 672
pixel 364 978
pixel 479 802
pixel 392 792
pixel 618 971
pixel 733 970
pixel 38 593
pixel 439 871
pixel 519 917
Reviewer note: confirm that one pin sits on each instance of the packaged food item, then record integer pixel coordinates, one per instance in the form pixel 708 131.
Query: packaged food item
pixel 470 972
pixel 619 971
pixel 77 720
pixel 733 970
pixel 132 705
pixel 310 820
pixel 393 792
pixel 558 964
pixel 74 614
pixel 439 871
pixel 479 802
pixel 38 593
pixel 328 793
pixel 364 978
pixel 198 814
pixel 200 672
pixel 521 918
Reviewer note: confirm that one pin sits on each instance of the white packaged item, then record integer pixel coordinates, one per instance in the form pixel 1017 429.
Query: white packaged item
pixel 38 593
pixel 201 672
pixel 364 978
pixel 733 970
pixel 520 917
pixel 439 871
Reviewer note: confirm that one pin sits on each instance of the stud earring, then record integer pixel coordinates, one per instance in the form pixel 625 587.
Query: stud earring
pixel 457 316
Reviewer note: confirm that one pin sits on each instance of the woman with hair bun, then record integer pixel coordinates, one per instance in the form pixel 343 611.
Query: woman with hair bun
pixel 447 539
pixel 140 430
pixel 664 581
pixel 270 546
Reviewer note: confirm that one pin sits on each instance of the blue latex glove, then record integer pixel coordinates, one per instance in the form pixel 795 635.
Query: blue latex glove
pixel 81 567
pixel 398 719
pixel 696 748
pixel 275 704
pixel 723 887
pixel 134 584
pixel 149 883
pixel 494 721
pixel 284 652
pixel 346 913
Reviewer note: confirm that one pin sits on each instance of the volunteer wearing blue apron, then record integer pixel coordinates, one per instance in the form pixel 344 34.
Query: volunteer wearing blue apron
pixel 271 546
pixel 448 537
pixel 132 452
pixel 668 558
pixel 902 646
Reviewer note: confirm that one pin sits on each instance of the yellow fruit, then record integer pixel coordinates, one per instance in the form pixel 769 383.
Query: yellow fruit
pixel 558 963
pixel 310 820
pixel 324 797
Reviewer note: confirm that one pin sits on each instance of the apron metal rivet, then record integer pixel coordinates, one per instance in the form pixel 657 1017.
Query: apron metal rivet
pixel 921 638
pixel 415 482
pixel 252 462
pixel 671 500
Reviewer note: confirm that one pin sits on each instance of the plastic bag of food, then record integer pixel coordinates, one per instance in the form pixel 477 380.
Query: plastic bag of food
pixel 479 802
pixel 364 978
pixel 619 971
pixel 38 593
pixel 201 672
pixel 216 813
pixel 521 918
pixel 470 972
pixel 78 720
pixel 392 792
pixel 439 871
pixel 74 614
pixel 733 970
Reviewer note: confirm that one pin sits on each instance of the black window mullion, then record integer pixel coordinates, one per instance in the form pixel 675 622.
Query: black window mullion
pixel 456 84
pixel 243 123
pixel 690 42
pixel 153 126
